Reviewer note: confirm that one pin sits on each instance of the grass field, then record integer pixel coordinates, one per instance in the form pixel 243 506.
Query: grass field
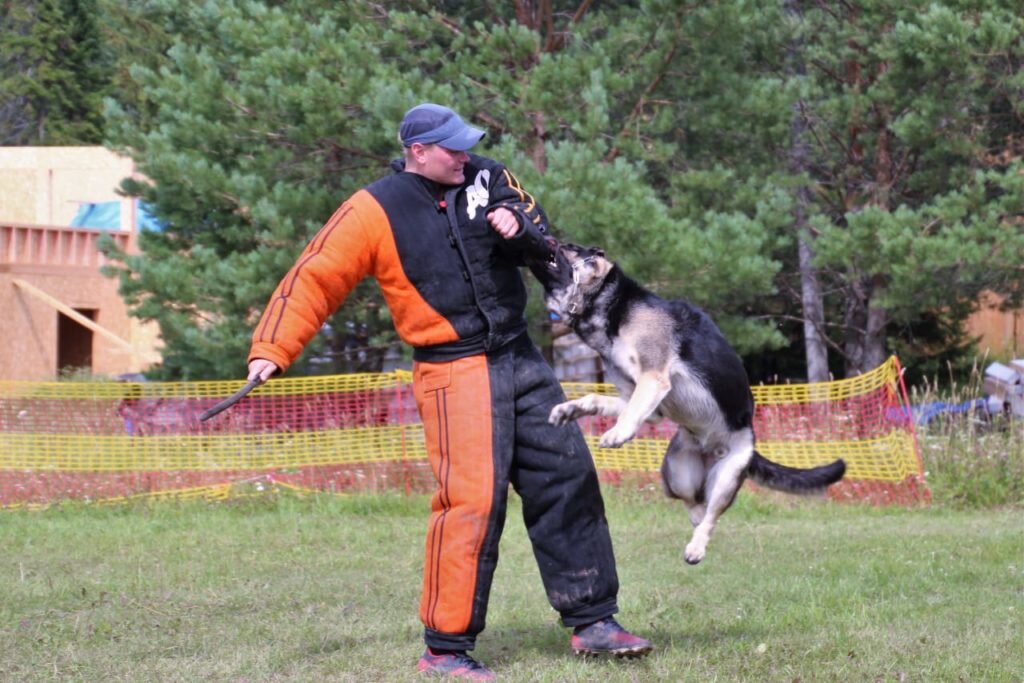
pixel 326 588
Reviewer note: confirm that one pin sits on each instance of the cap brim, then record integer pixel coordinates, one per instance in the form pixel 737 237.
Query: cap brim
pixel 463 140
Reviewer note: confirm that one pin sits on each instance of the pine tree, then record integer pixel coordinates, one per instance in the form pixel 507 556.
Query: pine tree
pixel 264 122
pixel 912 221
pixel 53 73
pixel 659 131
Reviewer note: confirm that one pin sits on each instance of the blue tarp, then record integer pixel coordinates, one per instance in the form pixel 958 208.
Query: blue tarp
pixel 107 216
pixel 926 412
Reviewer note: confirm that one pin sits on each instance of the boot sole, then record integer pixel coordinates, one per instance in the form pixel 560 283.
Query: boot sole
pixel 629 653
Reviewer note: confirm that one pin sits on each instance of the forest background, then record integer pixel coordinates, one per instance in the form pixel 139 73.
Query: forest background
pixel 832 181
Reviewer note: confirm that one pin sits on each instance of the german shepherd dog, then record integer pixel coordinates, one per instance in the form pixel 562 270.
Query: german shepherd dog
pixel 667 359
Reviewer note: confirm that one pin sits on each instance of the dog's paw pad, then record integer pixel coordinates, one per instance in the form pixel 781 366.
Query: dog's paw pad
pixel 561 414
pixel 614 438
pixel 693 555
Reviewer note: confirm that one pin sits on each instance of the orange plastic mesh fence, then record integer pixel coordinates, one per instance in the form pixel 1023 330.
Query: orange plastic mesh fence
pixel 116 441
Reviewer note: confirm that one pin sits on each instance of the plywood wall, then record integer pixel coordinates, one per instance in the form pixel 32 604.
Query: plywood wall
pixel 29 352
pixel 1001 332
pixel 46 185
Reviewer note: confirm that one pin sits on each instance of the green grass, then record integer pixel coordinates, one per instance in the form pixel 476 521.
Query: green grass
pixel 326 588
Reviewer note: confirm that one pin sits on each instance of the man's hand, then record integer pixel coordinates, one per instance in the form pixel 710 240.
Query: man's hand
pixel 262 369
pixel 504 222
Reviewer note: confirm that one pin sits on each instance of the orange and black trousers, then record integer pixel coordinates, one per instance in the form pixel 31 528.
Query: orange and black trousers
pixel 485 421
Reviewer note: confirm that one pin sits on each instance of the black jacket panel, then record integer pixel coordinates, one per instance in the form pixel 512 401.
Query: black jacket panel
pixel 460 266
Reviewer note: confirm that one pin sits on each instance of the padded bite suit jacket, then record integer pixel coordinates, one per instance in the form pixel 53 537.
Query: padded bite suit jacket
pixel 452 284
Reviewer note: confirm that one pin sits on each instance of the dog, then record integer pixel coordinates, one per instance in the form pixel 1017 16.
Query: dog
pixel 667 359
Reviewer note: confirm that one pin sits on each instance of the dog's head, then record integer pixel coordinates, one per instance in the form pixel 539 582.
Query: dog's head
pixel 570 276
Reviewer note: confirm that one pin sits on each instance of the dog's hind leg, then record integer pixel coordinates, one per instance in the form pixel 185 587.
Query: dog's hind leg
pixel 682 473
pixel 724 479
pixel 591 404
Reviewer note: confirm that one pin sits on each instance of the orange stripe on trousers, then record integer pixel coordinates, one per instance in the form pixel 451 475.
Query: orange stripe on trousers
pixel 454 401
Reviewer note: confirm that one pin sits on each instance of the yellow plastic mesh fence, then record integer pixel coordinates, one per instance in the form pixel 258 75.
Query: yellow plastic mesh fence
pixel 117 441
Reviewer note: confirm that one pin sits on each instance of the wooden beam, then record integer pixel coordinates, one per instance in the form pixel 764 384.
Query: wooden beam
pixel 73 314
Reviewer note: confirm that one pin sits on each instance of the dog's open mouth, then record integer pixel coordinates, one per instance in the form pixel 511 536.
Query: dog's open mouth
pixel 555 248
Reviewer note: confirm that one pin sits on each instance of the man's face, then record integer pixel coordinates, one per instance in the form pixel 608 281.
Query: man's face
pixel 441 165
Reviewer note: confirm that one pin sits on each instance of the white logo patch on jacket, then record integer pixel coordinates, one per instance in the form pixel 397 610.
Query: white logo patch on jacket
pixel 477 194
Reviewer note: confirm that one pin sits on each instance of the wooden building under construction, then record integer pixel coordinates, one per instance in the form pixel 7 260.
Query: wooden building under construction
pixel 58 311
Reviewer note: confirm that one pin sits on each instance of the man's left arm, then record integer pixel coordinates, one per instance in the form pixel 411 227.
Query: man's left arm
pixel 515 215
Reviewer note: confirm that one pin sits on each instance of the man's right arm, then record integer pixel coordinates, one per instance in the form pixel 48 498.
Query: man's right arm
pixel 334 261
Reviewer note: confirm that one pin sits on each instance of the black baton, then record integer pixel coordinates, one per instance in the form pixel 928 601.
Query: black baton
pixel 228 402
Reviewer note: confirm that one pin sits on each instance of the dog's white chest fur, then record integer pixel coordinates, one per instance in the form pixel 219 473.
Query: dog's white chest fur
pixel 644 354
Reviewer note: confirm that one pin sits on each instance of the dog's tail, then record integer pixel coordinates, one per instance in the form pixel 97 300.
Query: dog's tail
pixel 791 479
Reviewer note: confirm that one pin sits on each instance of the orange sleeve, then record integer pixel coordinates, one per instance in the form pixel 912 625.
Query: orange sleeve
pixel 355 242
pixel 336 259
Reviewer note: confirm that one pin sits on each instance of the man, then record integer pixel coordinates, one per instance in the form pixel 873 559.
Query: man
pixel 444 237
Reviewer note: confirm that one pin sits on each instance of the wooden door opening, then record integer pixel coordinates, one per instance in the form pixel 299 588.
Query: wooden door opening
pixel 74 342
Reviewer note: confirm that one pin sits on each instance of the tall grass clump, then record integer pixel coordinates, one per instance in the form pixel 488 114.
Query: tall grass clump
pixel 972 459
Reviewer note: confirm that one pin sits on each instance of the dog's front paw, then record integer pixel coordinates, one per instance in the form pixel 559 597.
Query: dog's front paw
pixel 564 412
pixel 616 436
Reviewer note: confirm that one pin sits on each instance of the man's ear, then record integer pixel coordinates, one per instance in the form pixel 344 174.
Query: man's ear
pixel 418 151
